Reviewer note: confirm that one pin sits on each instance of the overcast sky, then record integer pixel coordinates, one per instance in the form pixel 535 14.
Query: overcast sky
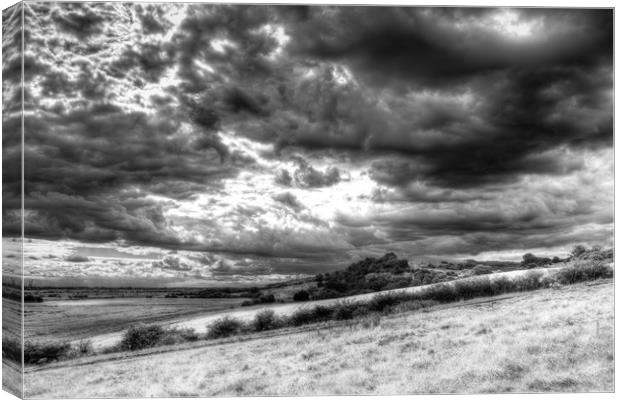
pixel 285 140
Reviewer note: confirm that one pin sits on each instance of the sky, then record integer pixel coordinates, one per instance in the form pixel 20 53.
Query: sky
pixel 211 143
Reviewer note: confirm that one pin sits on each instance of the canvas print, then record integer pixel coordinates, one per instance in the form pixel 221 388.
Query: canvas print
pixel 205 199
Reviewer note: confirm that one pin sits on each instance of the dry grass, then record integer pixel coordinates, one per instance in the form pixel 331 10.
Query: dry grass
pixel 548 340
pixel 12 378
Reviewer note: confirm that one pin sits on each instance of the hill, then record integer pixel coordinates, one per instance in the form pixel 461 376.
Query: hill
pixel 558 340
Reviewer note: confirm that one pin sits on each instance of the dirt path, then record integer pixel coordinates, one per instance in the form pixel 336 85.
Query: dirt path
pixel 200 323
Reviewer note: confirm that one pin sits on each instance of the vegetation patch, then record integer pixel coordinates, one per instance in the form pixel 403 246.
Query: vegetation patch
pixel 139 337
pixel 45 352
pixel 584 271
pixel 367 312
pixel 224 327
pixel 265 320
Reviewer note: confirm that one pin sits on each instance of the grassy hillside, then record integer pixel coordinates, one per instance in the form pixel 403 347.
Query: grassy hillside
pixel 545 340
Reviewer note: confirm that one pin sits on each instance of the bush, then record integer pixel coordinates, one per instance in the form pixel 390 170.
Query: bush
pixel 469 289
pixel 259 299
pixel 381 302
pixel 224 327
pixel 584 271
pixel 174 336
pixel 188 334
pixel 301 295
pixel 343 311
pixel 482 270
pixel 529 281
pixel 265 320
pixel 267 298
pixel 503 285
pixel 44 352
pixel 442 293
pixel 578 250
pixel 84 347
pixel 302 316
pixel 322 313
pixel 597 270
pixel 142 336
pixel 411 305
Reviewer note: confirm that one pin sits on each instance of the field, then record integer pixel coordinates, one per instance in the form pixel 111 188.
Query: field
pixel 557 340
pixel 76 319
pixel 103 320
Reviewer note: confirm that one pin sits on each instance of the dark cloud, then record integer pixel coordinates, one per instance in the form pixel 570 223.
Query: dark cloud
pixel 309 177
pixel 152 59
pixel 283 177
pixel 80 21
pixel 153 18
pixel 239 25
pixel 441 46
pixel 289 200
pixel 98 218
pixel 465 120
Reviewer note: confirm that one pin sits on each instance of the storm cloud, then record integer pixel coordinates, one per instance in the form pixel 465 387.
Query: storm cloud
pixel 302 137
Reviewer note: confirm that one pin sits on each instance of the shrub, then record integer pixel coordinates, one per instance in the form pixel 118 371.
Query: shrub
pixel 267 298
pixel 44 352
pixel 597 270
pixel 189 334
pixel 473 288
pixel 412 305
pixel 529 258
pixel 224 327
pixel 142 336
pixel 85 347
pixel 173 336
pixel 343 311
pixel 442 293
pixel 302 316
pixel 482 270
pixel 381 302
pixel 301 295
pixel 578 250
pixel 265 320
pixel 584 271
pixel 322 313
pixel 529 281
pixel 503 285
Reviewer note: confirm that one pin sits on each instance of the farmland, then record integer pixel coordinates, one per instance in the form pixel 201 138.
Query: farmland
pixel 75 319
pixel 545 340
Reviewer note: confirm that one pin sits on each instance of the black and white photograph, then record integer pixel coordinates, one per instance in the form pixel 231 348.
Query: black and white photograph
pixel 228 200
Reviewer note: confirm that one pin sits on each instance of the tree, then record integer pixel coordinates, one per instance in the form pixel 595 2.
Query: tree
pixel 529 258
pixel 302 295
pixel 578 250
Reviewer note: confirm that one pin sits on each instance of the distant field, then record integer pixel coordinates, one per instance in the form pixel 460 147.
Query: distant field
pixel 558 340
pixel 75 319
pixel 200 322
